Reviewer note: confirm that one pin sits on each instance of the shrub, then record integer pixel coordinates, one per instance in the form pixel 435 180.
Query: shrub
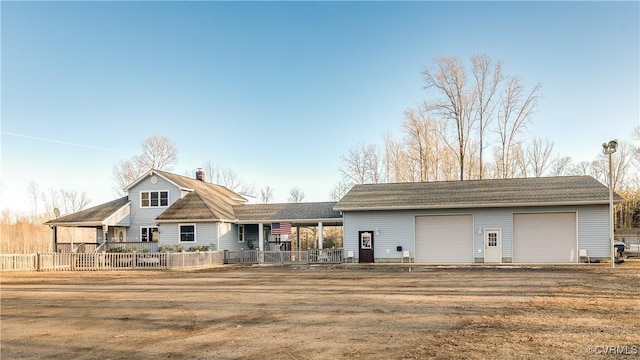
pixel 120 249
pixel 198 248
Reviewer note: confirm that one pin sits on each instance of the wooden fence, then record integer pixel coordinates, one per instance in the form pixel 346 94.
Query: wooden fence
pixel 108 261
pixel 161 261
pixel 136 246
pixel 311 256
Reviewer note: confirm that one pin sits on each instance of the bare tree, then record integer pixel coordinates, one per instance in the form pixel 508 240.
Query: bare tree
pixel 51 201
pixel 538 155
pixel 220 175
pixel 488 76
pixel 363 165
pixel 266 194
pixel 355 167
pixel 636 149
pixel 398 164
pixel 514 111
pixel 158 152
pixel 581 168
pixel 73 201
pixel 296 195
pixel 339 190
pixel 34 194
pixel 561 166
pixel 417 127
pixel 374 165
pixel 456 103
pixel 66 201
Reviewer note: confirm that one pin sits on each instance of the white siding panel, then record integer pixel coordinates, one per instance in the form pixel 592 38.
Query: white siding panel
pixel 147 216
pixel 394 229
pixel 206 235
pixel 228 237
pixel 545 237
pixel 444 239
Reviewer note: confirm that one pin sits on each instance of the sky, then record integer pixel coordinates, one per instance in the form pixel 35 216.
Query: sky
pixel 279 91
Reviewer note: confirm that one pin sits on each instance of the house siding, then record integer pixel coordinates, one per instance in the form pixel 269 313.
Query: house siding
pixel 146 216
pixel 206 235
pixel 396 228
pixel 228 237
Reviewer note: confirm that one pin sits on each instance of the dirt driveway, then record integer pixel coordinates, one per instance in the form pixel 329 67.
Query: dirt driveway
pixel 324 313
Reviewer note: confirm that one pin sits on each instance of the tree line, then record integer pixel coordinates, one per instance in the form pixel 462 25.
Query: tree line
pixel 473 125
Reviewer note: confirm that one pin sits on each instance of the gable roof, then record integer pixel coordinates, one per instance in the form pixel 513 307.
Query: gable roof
pixel 563 190
pixel 94 216
pixel 311 212
pixel 206 201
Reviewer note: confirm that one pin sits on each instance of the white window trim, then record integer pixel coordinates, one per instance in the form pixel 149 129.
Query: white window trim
pixel 158 191
pixel 241 238
pixel 195 232
pixel 148 233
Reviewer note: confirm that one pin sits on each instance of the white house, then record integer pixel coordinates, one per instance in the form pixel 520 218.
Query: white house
pixel 532 220
pixel 165 209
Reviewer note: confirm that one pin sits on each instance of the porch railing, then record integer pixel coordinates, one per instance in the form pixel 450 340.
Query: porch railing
pixel 151 247
pixel 311 256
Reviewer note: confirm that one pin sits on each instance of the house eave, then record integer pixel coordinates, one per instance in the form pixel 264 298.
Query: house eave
pixel 151 173
pixel 270 221
pixel 77 224
pixel 176 221
pixel 467 206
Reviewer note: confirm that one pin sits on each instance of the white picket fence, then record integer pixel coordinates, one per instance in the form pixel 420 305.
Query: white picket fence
pixel 108 261
pixel 311 256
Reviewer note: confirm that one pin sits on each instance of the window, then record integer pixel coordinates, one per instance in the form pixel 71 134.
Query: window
pixel 188 233
pixel 154 198
pixel 492 239
pixel 365 240
pixel 240 233
pixel 149 233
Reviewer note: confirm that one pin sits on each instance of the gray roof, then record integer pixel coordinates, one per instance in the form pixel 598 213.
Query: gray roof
pixel 207 201
pixel 93 216
pixel 293 212
pixel 564 190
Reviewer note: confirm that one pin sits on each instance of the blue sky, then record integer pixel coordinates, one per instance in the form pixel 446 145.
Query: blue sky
pixel 279 91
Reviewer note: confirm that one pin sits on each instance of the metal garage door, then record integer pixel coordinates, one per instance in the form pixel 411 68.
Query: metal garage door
pixel 444 239
pixel 544 238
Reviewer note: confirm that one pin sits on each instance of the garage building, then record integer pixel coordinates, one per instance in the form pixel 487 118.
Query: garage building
pixel 532 220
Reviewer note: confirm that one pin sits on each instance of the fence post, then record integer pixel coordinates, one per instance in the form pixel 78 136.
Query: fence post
pixel 73 261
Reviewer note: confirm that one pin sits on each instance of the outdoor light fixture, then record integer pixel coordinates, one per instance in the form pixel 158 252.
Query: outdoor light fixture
pixel 608 149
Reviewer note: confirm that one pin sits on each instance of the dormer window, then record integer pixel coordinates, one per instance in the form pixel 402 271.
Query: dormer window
pixel 154 198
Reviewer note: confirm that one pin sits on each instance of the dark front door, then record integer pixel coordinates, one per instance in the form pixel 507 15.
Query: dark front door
pixel 366 246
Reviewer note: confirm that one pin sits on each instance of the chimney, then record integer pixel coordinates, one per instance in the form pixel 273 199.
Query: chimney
pixel 200 174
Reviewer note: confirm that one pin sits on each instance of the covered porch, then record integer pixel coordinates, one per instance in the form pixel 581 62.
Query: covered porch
pixel 110 221
pixel 292 227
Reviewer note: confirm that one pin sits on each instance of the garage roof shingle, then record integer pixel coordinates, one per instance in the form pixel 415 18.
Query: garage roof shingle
pixel 564 190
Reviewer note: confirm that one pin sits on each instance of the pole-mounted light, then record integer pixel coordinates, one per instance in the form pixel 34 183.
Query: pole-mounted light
pixel 608 149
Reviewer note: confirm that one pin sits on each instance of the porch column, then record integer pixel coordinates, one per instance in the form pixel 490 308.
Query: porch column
pixel 105 234
pixel 320 235
pixel 55 238
pixel 261 237
pixel 298 238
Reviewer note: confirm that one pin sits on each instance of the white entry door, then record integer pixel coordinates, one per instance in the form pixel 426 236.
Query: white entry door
pixel 493 246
